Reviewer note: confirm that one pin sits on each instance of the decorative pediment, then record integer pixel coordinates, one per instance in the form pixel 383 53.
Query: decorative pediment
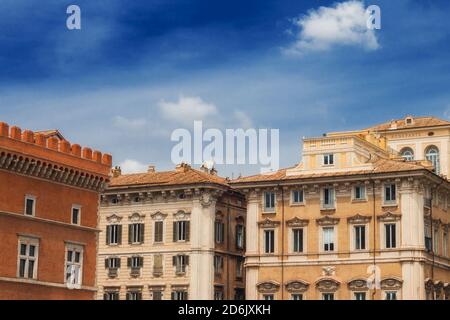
pixel 181 215
pixel 327 285
pixel 268 287
pixel 429 284
pixel 154 288
pixel 389 216
pixel 327 221
pixel 158 215
pixel 297 222
pixel 136 217
pixel 297 286
pixel 180 287
pixel 359 219
pixel 358 285
pixel 240 219
pixel 391 284
pixel 268 223
pixel 114 218
pixel 219 215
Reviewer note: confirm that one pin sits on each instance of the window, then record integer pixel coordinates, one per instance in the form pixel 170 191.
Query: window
pixel 218 294
pixel 219 231
pixel 297 196
pixel 328 296
pixel 157 295
pixel 296 296
pixel 428 240
pixel 432 155
pixel 181 231
pixel 298 240
pixel 111 295
pixel 328 239
pixel 390 195
pixel 76 211
pixel 239 267
pixel 180 262
pixel 360 296
pixel 391 295
pixel 407 154
pixel 134 295
pixel 239 294
pixel 28 258
pixel 269 241
pixel 159 231
pixel 328 198
pixel 360 193
pixel 269 201
pixel 136 233
pixel 112 263
pixel 158 268
pixel 269 297
pixel 218 264
pixel 328 159
pixel 179 295
pixel 240 234
pixel 135 262
pixel 74 264
pixel 360 237
pixel 30 205
pixel 114 234
pixel 445 244
pixel 436 240
pixel 390 236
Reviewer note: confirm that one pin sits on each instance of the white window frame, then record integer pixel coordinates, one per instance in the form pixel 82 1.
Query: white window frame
pixel 300 203
pixel 387 292
pixel 331 206
pixel 328 293
pixel 390 202
pixel 363 187
pixel 111 234
pixel 263 242
pixel 292 232
pixel 33 198
pixel 293 295
pixel 436 240
pixel 269 209
pixel 219 232
pixel 28 241
pixel 78 281
pixel 322 240
pixel 353 237
pixel 360 292
pixel 268 296
pixel 328 159
pixel 445 244
pixel 136 232
pixel 163 231
pixel 181 264
pixel 181 230
pixel 75 207
pixel 240 239
pixel 383 235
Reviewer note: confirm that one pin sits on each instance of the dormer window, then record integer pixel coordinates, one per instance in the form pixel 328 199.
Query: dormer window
pixel 409 121
pixel 328 159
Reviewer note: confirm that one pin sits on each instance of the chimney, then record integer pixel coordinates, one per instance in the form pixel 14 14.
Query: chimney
pixel 213 171
pixel 182 167
pixel 204 168
pixel 151 169
pixel 116 172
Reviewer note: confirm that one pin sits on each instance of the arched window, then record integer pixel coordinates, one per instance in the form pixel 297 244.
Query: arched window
pixel 432 155
pixel 407 154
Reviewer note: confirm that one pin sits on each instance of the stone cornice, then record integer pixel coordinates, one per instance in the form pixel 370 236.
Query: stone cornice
pixel 359 219
pixel 297 222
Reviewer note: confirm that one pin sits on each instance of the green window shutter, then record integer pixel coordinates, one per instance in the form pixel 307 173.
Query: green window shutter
pixel 142 233
pixel 119 234
pixel 106 263
pixel 129 262
pixel 187 260
pixel 188 231
pixel 222 240
pixel 141 261
pixel 108 233
pixel 236 228
pixel 130 233
pixel 174 232
pixel 174 260
pixel 118 262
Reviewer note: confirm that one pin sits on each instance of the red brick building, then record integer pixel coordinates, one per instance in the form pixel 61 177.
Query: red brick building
pixel 49 199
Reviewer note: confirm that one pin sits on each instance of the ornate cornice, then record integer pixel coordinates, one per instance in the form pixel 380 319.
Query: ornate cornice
pixel 389 217
pixel 136 217
pixel 297 222
pixel 358 284
pixel 181 215
pixel 359 219
pixel 268 223
pixel 297 286
pixel 158 215
pixel 114 218
pixel 268 287
pixel 391 284
pixel 327 221
pixel 327 285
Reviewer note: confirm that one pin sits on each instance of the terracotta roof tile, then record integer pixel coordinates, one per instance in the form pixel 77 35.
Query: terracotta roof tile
pixel 167 178
pixel 418 122
pixel 380 166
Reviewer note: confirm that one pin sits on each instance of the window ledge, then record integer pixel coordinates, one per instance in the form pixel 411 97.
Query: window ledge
pixel 359 200
pixel 388 204
pixel 299 204
pixel 328 209
pixel 269 212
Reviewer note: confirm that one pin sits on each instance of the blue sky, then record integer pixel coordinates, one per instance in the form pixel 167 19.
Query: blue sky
pixel 263 64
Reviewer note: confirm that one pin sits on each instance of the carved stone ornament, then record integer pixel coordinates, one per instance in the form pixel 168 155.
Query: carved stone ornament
pixel 327 221
pixel 359 219
pixel 389 217
pixel 358 285
pixel 136 217
pixel 157 288
pixel 391 284
pixel 268 287
pixel 297 222
pixel 327 285
pixel 158 216
pixel 181 215
pixel 297 286
pixel 114 218
pixel 206 199
pixel 268 223
pixel 328 271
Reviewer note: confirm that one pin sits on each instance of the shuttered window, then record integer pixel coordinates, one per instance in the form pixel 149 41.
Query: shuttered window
pixel 159 231
pixel 181 231
pixel 136 233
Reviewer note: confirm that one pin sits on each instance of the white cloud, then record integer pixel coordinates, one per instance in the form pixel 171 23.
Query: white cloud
pixel 187 109
pixel 132 166
pixel 243 119
pixel 342 24
pixel 129 124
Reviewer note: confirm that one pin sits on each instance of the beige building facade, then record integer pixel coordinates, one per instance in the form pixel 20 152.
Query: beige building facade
pixel 355 220
pixel 173 235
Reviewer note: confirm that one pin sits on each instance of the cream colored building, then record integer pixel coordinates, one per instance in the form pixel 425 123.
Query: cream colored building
pixel 171 235
pixel 354 220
